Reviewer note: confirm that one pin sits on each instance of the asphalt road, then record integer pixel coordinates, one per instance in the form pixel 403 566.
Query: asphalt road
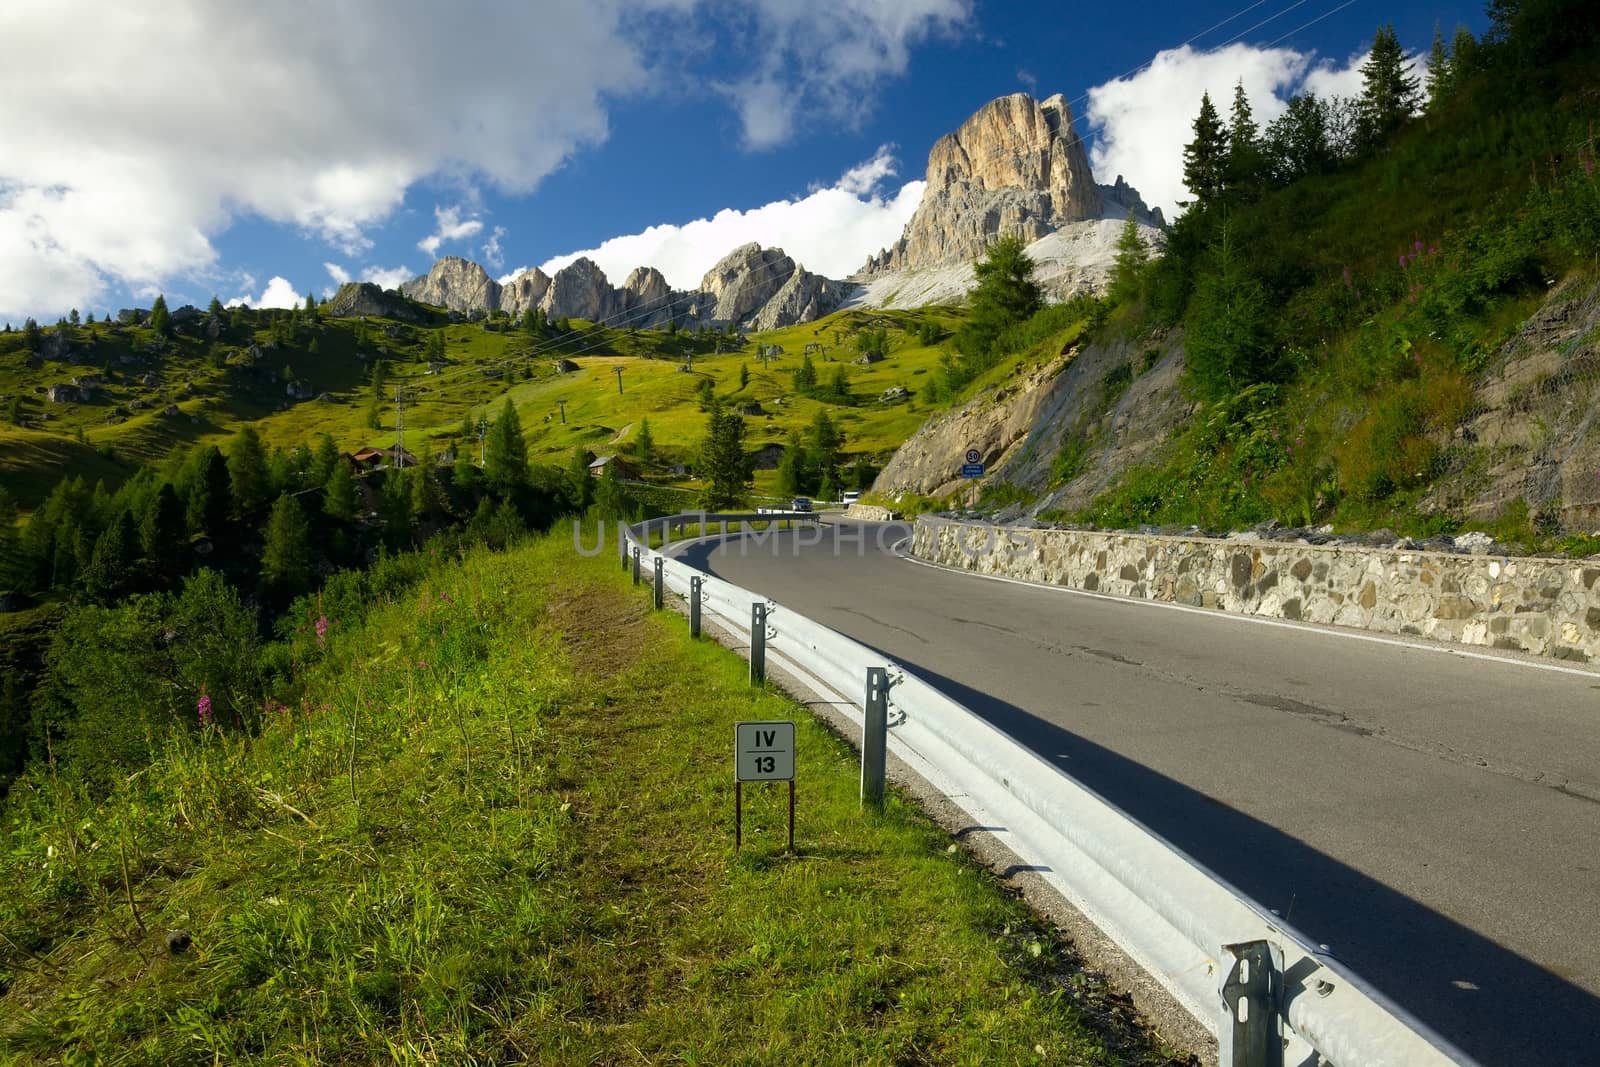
pixel 1433 818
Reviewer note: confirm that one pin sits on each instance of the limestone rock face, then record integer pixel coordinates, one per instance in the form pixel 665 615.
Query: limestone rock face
pixel 580 291
pixel 804 297
pixel 650 302
pixel 366 299
pixel 1015 168
pixel 744 280
pixel 457 284
pixel 524 291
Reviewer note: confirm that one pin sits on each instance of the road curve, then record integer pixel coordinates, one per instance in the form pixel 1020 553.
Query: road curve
pixel 1433 818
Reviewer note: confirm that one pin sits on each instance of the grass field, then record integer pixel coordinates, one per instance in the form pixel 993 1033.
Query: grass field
pixel 495 825
pixel 218 386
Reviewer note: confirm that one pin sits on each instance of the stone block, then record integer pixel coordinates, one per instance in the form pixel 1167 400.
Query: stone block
pixel 1301 570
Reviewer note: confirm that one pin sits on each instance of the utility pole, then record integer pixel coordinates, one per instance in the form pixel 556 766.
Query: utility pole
pixel 562 404
pixel 619 381
pixel 483 432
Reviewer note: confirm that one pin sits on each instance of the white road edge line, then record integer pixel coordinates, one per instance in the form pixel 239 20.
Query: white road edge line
pixel 1441 649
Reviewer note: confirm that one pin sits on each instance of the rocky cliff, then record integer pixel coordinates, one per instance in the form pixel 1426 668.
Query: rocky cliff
pixel 1016 168
pixel 753 287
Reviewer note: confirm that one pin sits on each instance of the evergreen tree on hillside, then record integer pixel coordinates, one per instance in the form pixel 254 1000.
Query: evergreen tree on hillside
pixel 286 559
pixel 161 533
pixel 1463 56
pixel 1243 166
pixel 610 499
pixel 839 383
pixel 1296 143
pixel 578 480
pixel 1228 339
pixel 323 460
pixel 1205 158
pixel 210 499
pixel 794 474
pixel 11 559
pixel 1388 93
pixel 248 477
pixel 1128 271
pixel 644 445
pixel 31 334
pixel 160 319
pixel 744 375
pixel 214 308
pixel 426 497
pixel 1440 77
pixel 824 444
pixel 805 376
pixel 726 467
pixel 339 493
pixel 1006 294
pixel 505 463
pixel 112 566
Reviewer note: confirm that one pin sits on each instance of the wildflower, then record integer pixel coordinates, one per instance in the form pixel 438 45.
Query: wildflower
pixel 203 709
pixel 1588 164
pixel 322 631
pixel 1416 246
pixel 1403 263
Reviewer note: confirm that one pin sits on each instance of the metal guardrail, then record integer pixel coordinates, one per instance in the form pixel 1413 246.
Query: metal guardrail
pixel 1270 995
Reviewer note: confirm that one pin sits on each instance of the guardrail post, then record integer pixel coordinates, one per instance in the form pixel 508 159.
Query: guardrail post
pixel 694 606
pixel 622 545
pixel 758 643
pixel 661 583
pixel 635 564
pixel 1252 992
pixel 874 736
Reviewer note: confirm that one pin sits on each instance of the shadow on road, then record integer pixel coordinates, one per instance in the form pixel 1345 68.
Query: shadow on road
pixel 1492 1003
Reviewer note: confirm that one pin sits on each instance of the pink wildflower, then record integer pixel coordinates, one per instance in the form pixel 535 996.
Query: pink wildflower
pixel 1403 261
pixel 1416 246
pixel 322 631
pixel 203 710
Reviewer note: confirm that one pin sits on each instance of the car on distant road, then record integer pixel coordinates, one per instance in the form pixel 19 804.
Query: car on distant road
pixel 800 503
pixel 849 498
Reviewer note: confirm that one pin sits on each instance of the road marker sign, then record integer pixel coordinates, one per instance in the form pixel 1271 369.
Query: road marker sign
pixel 763 751
pixel 972 470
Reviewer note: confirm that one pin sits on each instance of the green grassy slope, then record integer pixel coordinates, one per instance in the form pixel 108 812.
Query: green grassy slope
pixel 495 825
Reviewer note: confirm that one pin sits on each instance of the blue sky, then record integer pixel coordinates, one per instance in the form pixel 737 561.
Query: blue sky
pixel 258 156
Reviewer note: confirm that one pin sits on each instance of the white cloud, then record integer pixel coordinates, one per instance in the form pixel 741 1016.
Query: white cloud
pixel 1141 123
pixel 831 231
pixel 823 60
pixel 130 172
pixel 493 254
pixel 337 273
pixel 278 294
pixel 451 227
pixel 387 277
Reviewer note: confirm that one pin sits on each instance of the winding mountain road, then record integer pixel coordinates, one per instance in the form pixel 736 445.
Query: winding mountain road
pixel 1433 817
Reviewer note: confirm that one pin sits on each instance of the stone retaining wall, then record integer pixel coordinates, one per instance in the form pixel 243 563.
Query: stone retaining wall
pixel 868 513
pixel 1550 607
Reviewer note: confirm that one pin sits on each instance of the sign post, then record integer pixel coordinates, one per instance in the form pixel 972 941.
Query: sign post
pixel 973 468
pixel 762 752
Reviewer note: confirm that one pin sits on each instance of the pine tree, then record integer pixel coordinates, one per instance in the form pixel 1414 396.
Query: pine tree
pixel 72 317
pixel 11 558
pixel 744 375
pixel 1388 95
pixel 610 499
pixel 1463 56
pixel 161 532
pixel 1127 272
pixel 505 464
pixel 426 496
pixel 323 460
pixel 210 501
pixel 215 308
pixel 111 568
pixel 727 468
pixel 644 445
pixel 311 303
pixel 249 479
pixel 1296 143
pixel 1228 340
pixel 706 392
pixel 1205 157
pixel 805 378
pixel 31 334
pixel 839 385
pixel 793 468
pixel 339 493
pixel 825 443
pixel 1439 74
pixel 1243 166
pixel 160 320
pixel 286 559
pixel 1006 294
pixel 578 480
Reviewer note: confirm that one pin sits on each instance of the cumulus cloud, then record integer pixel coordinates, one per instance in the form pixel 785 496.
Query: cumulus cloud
pixel 831 231
pixel 337 273
pixel 493 254
pixel 387 277
pixel 822 61
pixel 278 294
pixel 1140 134
pixel 129 172
pixel 450 227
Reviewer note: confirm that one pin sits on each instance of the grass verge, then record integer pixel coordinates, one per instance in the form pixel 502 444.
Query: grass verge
pixel 497 827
